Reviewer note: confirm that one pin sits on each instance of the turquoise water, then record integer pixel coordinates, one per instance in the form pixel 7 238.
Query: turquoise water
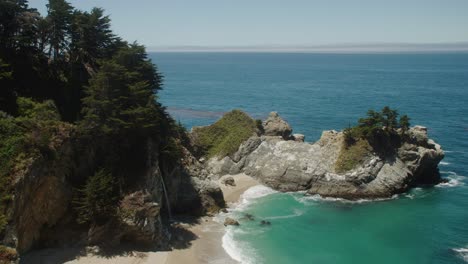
pixel 316 92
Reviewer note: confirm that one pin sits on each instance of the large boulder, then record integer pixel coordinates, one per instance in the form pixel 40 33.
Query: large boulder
pixel 274 125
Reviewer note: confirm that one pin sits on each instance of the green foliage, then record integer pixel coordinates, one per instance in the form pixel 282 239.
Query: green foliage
pixel 12 143
pixel 59 19
pixel 226 135
pixel 22 138
pixel 404 123
pixel 45 111
pixel 376 132
pixel 121 97
pixel 5 73
pixel 377 124
pixel 69 64
pixel 351 156
pixel 98 199
pixel 91 37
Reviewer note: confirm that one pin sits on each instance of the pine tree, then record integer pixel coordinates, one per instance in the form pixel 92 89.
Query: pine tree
pixel 98 199
pixel 404 123
pixel 59 18
pixel 120 97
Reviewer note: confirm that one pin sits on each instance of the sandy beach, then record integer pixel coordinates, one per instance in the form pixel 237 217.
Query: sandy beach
pixel 195 242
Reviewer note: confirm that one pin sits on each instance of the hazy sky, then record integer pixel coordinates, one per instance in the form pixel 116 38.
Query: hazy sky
pixel 284 23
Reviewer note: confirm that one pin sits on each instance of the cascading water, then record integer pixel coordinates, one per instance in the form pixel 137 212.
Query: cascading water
pixel 168 204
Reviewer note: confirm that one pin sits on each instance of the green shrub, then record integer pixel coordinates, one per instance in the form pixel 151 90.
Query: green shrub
pixel 98 199
pixel 377 126
pixel 12 142
pixel 226 135
pixel 23 138
pixel 352 155
pixel 45 111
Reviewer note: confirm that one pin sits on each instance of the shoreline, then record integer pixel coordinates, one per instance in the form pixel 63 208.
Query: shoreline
pixel 193 243
pixel 208 247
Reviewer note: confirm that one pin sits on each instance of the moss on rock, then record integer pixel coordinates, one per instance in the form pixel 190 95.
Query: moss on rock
pixel 352 155
pixel 225 136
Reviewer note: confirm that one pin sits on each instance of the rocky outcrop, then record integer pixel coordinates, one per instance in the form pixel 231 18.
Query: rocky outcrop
pixel 42 214
pixel 41 195
pixel 289 165
pixel 274 125
pixel 298 137
pixel 229 221
pixel 192 192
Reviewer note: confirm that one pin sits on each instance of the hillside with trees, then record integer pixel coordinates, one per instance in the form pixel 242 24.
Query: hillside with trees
pixel 66 77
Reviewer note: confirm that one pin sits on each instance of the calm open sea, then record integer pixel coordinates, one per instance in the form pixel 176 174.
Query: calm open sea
pixel 316 92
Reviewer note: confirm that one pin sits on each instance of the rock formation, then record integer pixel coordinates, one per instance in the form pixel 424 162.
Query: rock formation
pixel 274 125
pixel 230 221
pixel 42 213
pixel 289 165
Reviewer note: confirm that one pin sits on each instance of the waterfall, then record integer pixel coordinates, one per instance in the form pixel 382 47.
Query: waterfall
pixel 167 198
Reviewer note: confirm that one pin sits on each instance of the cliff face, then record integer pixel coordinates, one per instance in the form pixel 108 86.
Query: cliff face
pixel 291 165
pixel 42 214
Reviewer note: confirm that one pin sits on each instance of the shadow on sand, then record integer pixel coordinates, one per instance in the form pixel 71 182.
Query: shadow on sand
pixel 181 238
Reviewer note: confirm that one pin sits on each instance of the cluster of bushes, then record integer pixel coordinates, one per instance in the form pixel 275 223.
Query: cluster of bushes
pixel 383 123
pixel 379 132
pixel 22 138
pixel 226 135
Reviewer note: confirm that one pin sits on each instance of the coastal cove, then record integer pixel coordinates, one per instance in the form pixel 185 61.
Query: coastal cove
pixel 316 92
pixel 216 143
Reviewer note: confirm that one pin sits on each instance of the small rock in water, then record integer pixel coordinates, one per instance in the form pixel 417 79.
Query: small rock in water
pixel 230 221
pixel 248 217
pixel 265 223
pixel 224 210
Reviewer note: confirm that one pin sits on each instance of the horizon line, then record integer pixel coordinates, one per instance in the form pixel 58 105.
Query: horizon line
pixel 322 48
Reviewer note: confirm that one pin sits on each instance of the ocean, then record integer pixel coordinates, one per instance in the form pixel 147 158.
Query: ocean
pixel 316 92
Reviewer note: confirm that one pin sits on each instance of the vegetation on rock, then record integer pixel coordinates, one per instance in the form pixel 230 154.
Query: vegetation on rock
pixel 380 132
pixel 98 199
pixel 225 136
pixel 28 136
pixel 353 155
pixel 68 70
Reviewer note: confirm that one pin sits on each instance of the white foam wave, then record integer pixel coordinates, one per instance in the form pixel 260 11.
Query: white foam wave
pixel 444 163
pixel 252 194
pixel 454 180
pixel 462 252
pixel 240 252
pixel 296 213
pixel 319 198
pixel 257 192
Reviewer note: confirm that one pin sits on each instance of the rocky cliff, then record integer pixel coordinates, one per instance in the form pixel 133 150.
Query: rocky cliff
pixel 42 211
pixel 283 163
